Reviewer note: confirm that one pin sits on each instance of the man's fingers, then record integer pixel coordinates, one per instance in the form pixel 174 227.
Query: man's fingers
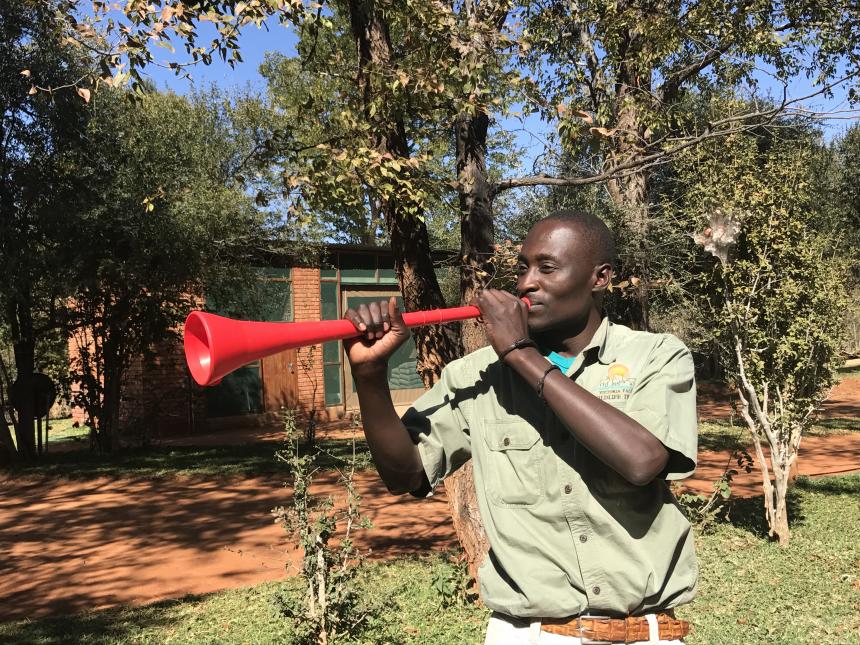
pixel 352 316
pixel 366 316
pixel 395 316
pixel 376 328
pixel 384 315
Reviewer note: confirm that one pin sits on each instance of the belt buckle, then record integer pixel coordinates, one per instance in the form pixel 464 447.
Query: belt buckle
pixel 583 639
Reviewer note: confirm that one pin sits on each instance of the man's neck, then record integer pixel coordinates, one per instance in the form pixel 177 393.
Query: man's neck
pixel 572 341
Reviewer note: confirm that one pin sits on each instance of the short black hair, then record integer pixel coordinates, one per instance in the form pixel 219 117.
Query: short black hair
pixel 597 235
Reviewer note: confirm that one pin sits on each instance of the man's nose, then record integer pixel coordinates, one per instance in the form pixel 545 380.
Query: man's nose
pixel 526 282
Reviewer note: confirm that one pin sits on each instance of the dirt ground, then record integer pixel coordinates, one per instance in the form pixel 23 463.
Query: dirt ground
pixel 68 546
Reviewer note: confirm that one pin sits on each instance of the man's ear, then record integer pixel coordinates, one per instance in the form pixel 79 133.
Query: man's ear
pixel 602 277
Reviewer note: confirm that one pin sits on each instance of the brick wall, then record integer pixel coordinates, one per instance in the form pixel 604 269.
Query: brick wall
pixel 78 414
pixel 158 392
pixel 306 306
pixel 158 398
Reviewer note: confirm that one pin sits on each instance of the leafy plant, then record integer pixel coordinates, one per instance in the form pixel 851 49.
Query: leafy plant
pixel 704 510
pixel 455 586
pixel 331 606
pixel 777 294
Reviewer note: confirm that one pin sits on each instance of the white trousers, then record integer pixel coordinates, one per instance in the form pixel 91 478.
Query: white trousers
pixel 502 631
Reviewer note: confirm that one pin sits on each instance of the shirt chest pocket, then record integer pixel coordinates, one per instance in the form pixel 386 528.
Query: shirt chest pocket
pixel 514 475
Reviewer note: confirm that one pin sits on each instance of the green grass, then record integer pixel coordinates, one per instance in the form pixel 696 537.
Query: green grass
pixel 413 616
pixel 63 431
pixel 722 435
pixel 190 461
pixel 751 591
pixel 848 372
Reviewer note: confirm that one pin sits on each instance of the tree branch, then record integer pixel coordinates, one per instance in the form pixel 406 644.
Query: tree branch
pixel 719 128
pixel 668 90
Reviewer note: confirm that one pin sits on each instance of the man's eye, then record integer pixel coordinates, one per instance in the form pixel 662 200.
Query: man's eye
pixel 521 269
pixel 547 268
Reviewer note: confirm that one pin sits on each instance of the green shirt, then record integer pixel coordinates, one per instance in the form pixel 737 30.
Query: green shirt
pixel 567 534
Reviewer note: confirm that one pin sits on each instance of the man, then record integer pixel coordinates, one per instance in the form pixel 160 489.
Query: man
pixel 573 424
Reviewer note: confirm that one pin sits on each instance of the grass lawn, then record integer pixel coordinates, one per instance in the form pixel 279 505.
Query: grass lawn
pixel 722 434
pixel 751 591
pixel 848 372
pixel 244 460
pixel 63 431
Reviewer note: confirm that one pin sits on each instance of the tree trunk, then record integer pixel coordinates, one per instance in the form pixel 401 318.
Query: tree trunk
pixel 437 345
pixel 775 492
pixel 778 515
pixel 476 218
pixel 630 194
pixel 109 422
pixel 24 348
pixel 476 250
pixel 410 243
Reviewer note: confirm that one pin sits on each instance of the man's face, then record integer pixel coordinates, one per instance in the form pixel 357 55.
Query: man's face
pixel 556 272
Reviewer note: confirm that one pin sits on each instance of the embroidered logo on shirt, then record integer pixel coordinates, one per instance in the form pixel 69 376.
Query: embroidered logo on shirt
pixel 617 385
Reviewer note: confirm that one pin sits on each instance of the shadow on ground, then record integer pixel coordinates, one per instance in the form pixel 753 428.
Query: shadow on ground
pixel 69 546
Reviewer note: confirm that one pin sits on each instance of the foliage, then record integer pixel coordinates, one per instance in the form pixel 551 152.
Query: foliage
pixel 704 511
pixel 617 79
pixel 845 193
pixel 161 213
pixel 620 74
pixel 777 295
pixel 838 193
pixel 852 324
pixel 331 607
pixel 455 586
pixel 35 193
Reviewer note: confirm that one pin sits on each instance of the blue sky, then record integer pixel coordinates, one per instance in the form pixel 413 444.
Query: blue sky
pixel 255 42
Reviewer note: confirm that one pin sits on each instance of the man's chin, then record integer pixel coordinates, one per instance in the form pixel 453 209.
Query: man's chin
pixel 537 326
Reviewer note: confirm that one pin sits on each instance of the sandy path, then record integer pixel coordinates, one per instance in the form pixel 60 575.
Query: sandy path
pixel 67 546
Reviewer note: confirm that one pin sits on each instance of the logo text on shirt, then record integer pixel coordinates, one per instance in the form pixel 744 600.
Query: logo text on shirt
pixel 617 385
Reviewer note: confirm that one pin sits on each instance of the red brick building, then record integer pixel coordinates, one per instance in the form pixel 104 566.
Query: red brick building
pixel 159 392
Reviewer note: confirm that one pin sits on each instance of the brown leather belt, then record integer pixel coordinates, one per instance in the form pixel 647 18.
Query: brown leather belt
pixel 616 630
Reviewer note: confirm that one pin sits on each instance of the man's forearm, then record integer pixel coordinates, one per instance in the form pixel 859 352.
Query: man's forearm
pixel 609 434
pixel 394 453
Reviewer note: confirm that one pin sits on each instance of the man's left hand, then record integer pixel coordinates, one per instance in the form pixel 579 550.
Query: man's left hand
pixel 505 317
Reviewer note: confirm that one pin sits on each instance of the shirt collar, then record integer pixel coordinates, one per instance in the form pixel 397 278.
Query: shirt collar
pixel 602 342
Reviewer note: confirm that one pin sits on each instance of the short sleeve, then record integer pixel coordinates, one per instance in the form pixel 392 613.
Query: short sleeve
pixel 663 401
pixel 439 427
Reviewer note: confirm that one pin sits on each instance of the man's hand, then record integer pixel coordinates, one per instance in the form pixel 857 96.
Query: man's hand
pixel 505 317
pixel 383 331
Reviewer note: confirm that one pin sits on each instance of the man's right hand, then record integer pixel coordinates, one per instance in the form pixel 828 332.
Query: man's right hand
pixel 383 331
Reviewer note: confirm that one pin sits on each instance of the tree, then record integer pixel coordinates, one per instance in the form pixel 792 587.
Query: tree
pixel 163 214
pixel 621 72
pixel 633 61
pixel 778 293
pixel 35 192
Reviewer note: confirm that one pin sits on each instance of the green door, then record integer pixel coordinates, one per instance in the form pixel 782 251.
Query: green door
pixel 403 379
